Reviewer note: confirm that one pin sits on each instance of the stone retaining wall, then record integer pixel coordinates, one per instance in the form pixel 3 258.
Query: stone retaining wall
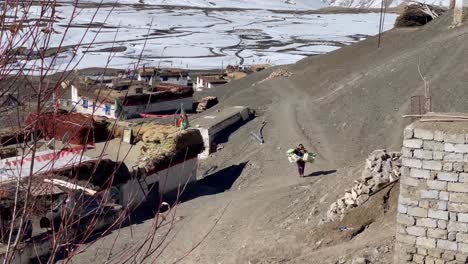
pixel 432 221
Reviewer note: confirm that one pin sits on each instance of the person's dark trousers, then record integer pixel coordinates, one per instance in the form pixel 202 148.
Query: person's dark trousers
pixel 301 167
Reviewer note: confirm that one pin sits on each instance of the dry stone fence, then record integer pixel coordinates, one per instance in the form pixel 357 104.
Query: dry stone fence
pixel 432 220
pixel 382 167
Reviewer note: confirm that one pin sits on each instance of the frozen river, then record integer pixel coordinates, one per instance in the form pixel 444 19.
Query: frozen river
pixel 202 38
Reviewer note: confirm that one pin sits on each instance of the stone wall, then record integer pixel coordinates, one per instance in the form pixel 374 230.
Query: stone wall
pixel 460 14
pixel 432 221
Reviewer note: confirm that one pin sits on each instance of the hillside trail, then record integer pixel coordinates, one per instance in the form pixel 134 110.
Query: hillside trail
pixel 264 199
pixel 248 225
pixel 342 106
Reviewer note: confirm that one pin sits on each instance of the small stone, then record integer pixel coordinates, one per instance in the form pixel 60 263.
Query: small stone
pixel 362 199
pixel 448 166
pixel 408 133
pixel 458 166
pixel 360 260
pixel 452 236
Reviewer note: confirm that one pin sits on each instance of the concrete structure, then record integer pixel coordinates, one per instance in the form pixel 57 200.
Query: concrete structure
pixel 432 221
pixel 173 178
pixel 460 12
pixel 214 124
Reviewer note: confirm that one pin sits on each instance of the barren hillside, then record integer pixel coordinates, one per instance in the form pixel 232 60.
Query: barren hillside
pixel 342 106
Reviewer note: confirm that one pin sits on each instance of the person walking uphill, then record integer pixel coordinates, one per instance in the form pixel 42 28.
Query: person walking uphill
pixel 300 151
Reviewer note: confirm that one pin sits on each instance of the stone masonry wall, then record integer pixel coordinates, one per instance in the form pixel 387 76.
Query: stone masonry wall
pixel 460 13
pixel 432 221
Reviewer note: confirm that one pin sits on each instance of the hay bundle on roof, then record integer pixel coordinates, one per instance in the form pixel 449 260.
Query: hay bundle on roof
pixel 418 14
pixel 166 145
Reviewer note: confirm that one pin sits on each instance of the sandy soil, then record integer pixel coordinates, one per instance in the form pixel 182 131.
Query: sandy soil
pixel 342 106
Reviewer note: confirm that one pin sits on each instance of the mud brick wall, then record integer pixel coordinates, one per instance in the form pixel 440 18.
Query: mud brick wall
pixel 432 220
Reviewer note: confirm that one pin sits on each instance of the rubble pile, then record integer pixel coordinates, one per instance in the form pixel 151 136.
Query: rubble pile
pixel 207 103
pixel 381 168
pixel 278 73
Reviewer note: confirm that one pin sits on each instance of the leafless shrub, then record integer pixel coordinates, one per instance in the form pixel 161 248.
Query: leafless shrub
pixel 32 48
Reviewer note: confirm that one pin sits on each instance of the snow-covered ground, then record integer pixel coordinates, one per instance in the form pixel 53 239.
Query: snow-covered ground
pixel 244 4
pixel 378 3
pixel 202 38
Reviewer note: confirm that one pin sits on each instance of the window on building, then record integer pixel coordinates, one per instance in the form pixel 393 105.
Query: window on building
pixel 85 103
pixel 165 78
pixel 107 109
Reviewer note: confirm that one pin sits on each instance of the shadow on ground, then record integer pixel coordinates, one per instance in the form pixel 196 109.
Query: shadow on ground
pixel 321 173
pixel 214 181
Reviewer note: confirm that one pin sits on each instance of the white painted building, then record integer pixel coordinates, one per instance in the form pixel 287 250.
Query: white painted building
pixel 167 76
pixel 132 103
pixel 209 81
pixel 210 126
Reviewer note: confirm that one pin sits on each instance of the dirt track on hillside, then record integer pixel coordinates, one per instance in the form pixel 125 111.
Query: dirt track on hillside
pixel 342 106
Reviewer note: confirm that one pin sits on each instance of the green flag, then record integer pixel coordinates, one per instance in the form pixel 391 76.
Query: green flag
pixel 119 109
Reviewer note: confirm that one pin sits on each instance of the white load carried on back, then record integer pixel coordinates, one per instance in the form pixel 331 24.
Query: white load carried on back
pixel 308 157
pixel 293 158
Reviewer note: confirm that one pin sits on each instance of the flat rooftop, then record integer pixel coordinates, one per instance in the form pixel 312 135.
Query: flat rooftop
pixel 456 123
pixel 135 95
pixel 215 117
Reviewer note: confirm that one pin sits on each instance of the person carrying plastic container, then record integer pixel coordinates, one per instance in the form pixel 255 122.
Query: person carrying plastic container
pixel 300 155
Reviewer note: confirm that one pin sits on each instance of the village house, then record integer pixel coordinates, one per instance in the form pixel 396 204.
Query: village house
pixel 127 99
pixel 145 74
pixel 172 76
pixel 209 81
pixel 165 163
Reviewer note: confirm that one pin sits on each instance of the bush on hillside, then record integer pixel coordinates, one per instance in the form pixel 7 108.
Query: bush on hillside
pixel 418 14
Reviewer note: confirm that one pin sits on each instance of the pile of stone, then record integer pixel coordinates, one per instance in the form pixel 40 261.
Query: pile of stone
pixel 381 168
pixel 278 73
pixel 207 103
